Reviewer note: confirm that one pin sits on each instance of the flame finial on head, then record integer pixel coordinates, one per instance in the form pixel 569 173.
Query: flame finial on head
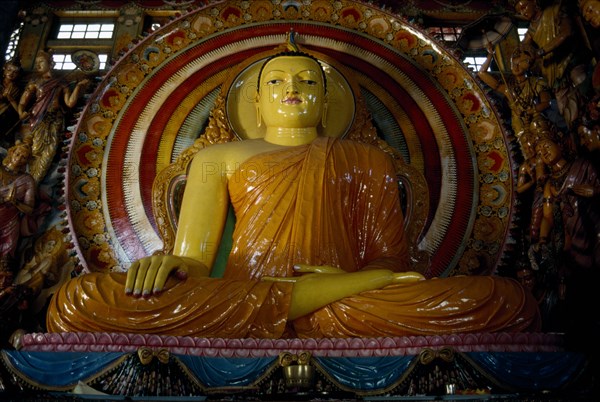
pixel 292 46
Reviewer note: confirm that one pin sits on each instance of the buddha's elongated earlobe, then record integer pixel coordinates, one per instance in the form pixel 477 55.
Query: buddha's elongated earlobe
pixel 324 117
pixel 258 116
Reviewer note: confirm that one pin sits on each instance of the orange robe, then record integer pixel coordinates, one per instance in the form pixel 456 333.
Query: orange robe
pixel 328 203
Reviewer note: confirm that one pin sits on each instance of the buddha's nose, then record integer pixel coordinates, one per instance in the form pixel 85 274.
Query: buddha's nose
pixel 292 88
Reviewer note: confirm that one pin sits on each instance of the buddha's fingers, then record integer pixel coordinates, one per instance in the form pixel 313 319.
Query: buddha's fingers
pixel 317 269
pixel 140 276
pixel 151 277
pixel 279 279
pixel 131 274
pixel 162 267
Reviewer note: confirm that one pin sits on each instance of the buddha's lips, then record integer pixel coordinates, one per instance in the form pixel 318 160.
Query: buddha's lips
pixel 292 100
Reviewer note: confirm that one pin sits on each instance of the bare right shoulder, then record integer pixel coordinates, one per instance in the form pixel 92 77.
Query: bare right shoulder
pixel 225 158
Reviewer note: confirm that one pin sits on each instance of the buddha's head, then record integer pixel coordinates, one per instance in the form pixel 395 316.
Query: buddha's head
pixel 291 91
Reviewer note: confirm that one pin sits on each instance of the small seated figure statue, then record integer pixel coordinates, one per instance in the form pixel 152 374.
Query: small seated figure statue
pixel 319 249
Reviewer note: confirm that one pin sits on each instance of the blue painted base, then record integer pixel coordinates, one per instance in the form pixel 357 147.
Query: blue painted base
pixel 432 373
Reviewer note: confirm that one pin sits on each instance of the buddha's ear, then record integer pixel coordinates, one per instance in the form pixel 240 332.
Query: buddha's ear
pixel 324 116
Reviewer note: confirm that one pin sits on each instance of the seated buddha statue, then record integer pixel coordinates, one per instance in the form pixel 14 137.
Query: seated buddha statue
pixel 319 248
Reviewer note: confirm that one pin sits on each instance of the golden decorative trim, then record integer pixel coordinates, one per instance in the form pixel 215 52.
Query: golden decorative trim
pixel 287 359
pixel 146 355
pixel 428 355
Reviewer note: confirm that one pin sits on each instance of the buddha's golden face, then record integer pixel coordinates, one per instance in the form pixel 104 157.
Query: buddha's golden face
pixel 291 92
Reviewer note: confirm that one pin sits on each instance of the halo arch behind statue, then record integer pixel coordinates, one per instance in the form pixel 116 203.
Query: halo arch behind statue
pixel 155 101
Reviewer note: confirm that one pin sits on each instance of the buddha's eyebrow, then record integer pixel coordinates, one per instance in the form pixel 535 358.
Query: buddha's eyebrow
pixel 285 72
pixel 309 71
pixel 274 71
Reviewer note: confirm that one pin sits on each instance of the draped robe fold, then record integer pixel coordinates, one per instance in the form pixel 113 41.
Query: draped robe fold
pixel 333 202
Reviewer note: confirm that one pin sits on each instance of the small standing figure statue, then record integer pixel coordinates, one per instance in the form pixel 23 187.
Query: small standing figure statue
pixel 9 101
pixel 52 97
pixel 589 130
pixel 571 216
pixel 530 181
pixel 562 58
pixel 17 198
pixel 572 232
pixel 528 95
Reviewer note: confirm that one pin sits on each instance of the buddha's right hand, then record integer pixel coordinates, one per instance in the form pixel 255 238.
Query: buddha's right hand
pixel 147 276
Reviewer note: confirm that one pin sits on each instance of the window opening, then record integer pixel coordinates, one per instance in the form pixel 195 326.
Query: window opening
pixel 85 31
pixel 474 62
pixel 64 62
pixel 11 49
pixel 445 34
